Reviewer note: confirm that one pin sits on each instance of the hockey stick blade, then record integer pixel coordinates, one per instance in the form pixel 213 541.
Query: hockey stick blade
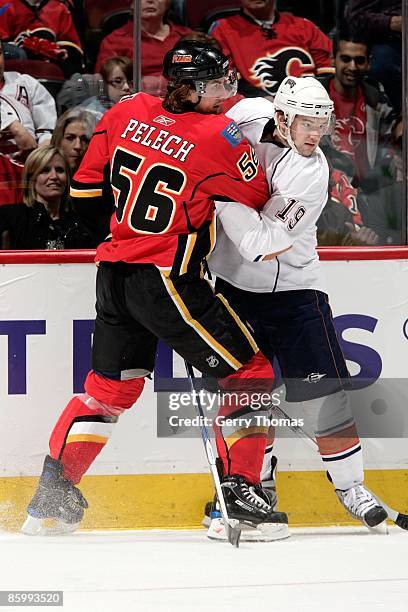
pixel 400 519
pixel 232 526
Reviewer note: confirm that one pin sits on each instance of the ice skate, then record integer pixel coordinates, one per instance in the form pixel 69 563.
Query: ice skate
pixel 362 505
pixel 211 509
pixel 57 506
pixel 251 505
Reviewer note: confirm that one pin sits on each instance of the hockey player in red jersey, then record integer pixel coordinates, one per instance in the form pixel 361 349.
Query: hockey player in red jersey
pixel 162 164
pixel 266 46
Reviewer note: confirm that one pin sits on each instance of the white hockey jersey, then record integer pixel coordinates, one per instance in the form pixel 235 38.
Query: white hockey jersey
pixel 11 110
pixel 299 191
pixel 38 101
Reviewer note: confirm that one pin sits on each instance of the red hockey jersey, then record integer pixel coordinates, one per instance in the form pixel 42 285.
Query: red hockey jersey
pixel 292 46
pixel 164 170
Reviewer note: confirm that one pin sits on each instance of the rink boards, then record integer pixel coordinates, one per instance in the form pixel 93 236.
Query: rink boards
pixel 140 480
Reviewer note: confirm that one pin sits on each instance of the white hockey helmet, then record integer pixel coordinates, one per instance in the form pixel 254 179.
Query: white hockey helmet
pixel 303 96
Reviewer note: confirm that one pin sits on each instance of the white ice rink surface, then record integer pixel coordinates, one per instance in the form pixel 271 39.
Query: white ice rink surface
pixel 319 570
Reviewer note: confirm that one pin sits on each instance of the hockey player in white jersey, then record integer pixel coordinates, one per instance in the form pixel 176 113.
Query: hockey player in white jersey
pixel 285 299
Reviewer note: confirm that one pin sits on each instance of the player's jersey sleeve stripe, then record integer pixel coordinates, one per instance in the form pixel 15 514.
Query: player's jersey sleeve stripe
pixel 85 190
pixel 200 330
pixel 85 193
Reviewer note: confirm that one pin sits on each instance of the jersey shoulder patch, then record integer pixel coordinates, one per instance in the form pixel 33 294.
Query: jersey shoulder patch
pixel 232 134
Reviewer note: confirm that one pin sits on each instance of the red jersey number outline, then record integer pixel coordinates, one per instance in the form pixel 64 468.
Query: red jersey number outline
pixel 146 205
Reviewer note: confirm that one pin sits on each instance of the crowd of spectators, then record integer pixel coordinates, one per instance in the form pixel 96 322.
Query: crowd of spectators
pixel 43 137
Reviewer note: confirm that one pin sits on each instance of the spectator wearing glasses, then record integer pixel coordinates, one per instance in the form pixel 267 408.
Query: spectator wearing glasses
pixel 117 74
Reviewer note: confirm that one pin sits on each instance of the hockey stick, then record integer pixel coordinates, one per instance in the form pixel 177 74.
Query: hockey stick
pixel 233 528
pixel 398 518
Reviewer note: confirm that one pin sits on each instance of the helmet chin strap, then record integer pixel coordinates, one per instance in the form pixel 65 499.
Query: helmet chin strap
pixel 288 137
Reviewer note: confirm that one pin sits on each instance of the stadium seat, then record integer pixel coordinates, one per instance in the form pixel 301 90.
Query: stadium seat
pixel 98 12
pixel 49 74
pixel 202 14
pixel 102 16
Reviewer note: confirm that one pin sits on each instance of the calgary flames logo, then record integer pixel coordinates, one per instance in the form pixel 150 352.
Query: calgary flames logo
pixel 270 71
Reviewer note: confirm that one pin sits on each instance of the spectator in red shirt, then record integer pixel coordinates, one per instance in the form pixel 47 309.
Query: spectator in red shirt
pixel 45 29
pixel 266 46
pixel 364 117
pixel 158 36
pixel 364 144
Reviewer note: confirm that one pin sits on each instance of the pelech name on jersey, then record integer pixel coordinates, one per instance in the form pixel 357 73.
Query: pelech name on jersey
pixel 157 139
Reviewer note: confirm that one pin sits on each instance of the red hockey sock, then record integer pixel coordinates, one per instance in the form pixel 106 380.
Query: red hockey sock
pixel 241 441
pixel 85 425
pixel 80 434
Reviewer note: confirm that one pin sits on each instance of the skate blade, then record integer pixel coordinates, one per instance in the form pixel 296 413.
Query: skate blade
pixel 206 522
pixel 266 532
pixel 45 527
pixel 381 529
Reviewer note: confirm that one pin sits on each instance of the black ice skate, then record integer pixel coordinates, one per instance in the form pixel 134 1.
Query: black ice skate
pixel 251 505
pixel 57 499
pixel 211 509
pixel 362 505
